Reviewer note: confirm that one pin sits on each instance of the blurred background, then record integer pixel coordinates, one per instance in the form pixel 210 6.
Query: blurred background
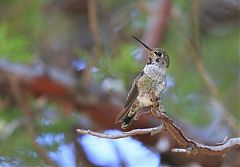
pixel 67 64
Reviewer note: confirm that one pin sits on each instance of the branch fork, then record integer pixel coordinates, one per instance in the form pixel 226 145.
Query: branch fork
pixel 189 146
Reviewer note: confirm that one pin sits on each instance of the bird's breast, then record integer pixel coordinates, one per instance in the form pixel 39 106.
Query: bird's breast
pixel 144 99
pixel 145 84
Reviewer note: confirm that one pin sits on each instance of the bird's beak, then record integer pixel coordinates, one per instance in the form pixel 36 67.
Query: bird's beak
pixel 142 43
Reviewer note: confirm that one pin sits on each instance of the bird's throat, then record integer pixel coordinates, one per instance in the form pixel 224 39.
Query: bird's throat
pixel 155 72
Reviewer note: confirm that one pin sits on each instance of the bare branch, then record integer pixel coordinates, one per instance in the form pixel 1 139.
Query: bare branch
pixel 220 148
pixel 134 132
pixel 190 147
pixel 193 147
pixel 179 150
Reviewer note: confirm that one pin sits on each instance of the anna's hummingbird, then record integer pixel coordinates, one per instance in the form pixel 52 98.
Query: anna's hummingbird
pixel 151 80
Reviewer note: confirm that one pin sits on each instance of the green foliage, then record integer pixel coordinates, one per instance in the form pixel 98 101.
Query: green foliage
pixel 18 147
pixel 20 34
pixel 184 5
pixel 83 55
pixel 220 56
pixel 10 114
pixel 109 4
pixel 123 65
pixel 21 147
pixel 14 48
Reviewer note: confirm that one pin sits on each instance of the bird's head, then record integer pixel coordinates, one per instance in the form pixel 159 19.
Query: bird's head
pixel 157 56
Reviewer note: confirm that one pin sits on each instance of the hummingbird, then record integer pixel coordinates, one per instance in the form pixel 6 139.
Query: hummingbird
pixel 152 79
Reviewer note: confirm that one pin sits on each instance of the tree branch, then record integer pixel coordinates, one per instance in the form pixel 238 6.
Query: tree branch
pixel 134 132
pixel 223 147
pixel 190 147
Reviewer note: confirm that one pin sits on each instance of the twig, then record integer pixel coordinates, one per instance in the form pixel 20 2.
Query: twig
pixel 25 106
pixel 94 29
pixel 196 25
pixel 40 150
pixel 179 150
pixel 10 128
pixel 219 148
pixel 93 23
pixel 134 132
pixel 203 73
pixel 197 52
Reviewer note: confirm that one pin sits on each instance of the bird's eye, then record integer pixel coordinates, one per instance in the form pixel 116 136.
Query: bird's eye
pixel 158 60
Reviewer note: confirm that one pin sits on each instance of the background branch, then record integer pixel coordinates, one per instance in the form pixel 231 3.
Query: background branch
pixel 203 72
pixel 81 158
pixel 23 103
pixel 94 29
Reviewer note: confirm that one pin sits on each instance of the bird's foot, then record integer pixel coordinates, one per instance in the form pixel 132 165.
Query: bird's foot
pixel 139 115
pixel 155 99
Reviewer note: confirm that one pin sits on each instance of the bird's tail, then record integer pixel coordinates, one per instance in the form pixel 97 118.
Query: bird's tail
pixel 127 121
pixel 127 115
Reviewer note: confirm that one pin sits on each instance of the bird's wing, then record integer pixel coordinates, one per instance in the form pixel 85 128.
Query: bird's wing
pixel 132 95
